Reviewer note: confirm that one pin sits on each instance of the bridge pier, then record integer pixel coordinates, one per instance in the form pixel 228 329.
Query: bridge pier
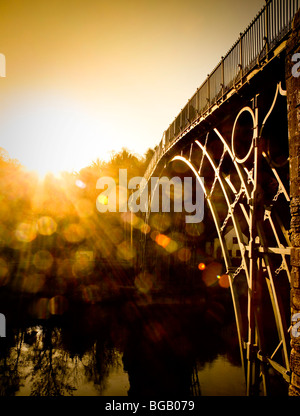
pixel 293 102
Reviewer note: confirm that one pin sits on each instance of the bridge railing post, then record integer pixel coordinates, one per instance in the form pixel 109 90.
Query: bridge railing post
pixel 241 54
pixel 223 76
pixel 266 37
pixel 208 90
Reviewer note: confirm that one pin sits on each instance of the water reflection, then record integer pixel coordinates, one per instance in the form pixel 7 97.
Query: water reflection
pixel 135 348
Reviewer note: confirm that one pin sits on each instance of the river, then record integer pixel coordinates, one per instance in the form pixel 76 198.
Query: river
pixel 146 348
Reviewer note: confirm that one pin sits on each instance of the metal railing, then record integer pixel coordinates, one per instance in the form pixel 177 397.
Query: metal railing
pixel 263 34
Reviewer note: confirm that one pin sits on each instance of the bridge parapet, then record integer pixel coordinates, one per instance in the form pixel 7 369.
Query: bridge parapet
pixel 254 48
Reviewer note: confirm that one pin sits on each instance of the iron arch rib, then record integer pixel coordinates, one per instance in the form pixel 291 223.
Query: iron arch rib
pixel 227 260
pixel 230 210
pixel 248 123
pixel 252 266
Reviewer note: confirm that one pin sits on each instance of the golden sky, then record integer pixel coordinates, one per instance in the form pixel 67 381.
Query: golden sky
pixel 85 77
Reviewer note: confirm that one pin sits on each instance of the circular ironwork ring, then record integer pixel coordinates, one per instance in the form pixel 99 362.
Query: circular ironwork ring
pixel 233 136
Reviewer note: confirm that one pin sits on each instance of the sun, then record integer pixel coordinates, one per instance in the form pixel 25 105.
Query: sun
pixel 52 134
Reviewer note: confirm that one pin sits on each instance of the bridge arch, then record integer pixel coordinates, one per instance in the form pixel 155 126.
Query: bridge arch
pixel 233 132
pixel 238 194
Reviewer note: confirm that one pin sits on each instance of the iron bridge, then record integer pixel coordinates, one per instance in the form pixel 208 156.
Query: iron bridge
pixel 233 133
